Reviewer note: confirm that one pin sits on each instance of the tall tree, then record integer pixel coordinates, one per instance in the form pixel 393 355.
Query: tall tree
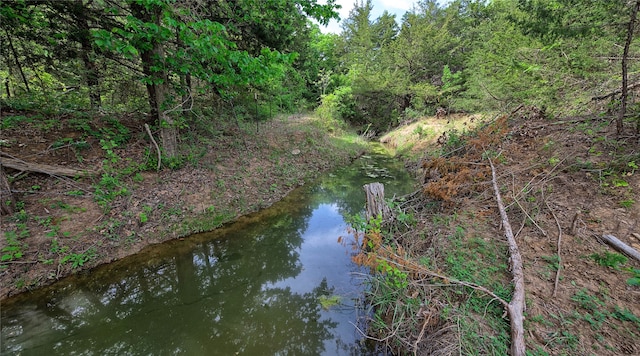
pixel 150 44
pixel 183 38
pixel 357 34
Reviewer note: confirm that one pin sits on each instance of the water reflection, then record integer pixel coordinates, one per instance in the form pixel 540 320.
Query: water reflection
pixel 252 288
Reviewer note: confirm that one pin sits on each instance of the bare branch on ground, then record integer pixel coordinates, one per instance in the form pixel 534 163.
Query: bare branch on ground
pixel 515 308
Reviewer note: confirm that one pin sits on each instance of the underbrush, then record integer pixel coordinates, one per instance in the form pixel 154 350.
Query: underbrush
pixel 438 285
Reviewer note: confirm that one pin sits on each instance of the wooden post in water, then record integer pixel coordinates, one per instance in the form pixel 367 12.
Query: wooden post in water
pixel 375 202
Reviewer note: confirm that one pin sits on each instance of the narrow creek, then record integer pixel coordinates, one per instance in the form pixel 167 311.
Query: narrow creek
pixel 250 288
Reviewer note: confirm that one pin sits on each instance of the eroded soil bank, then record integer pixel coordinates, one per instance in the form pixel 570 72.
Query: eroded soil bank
pixel 64 225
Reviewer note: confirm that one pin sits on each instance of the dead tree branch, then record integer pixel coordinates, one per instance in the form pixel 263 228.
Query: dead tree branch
pixel 614 93
pixel 555 285
pixel 515 308
pixel 621 246
pixel 146 126
pixel 21 165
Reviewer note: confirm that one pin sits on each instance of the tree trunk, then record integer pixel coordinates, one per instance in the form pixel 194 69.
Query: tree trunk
pixel 168 130
pixel 15 56
pixel 187 96
pixel 91 70
pixel 146 57
pixel 7 200
pixel 147 61
pixel 185 84
pixel 625 56
pixel 157 87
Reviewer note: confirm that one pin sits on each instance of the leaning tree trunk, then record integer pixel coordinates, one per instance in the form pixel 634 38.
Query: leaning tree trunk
pixel 8 201
pixel 15 57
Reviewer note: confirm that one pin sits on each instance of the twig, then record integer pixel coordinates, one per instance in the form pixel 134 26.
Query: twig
pixel 421 269
pixel 369 336
pixel 555 284
pixel 424 327
pixel 544 233
pixel 180 107
pixel 515 308
pixel 146 126
pixel 524 222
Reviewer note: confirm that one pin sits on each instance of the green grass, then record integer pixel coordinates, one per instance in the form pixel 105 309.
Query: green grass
pixel 483 262
pixel 609 259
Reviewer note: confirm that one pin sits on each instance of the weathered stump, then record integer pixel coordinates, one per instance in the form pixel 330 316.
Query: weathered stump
pixel 376 205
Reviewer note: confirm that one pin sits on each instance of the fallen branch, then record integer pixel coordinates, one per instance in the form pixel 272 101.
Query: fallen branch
pixel 621 246
pixel 515 308
pixel 447 281
pixel 555 284
pixel 21 165
pixel 613 93
pixel 146 126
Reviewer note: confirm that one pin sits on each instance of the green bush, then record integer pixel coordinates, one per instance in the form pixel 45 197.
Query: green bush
pixel 338 105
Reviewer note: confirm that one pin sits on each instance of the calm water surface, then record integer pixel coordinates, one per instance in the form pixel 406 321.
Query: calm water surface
pixel 251 288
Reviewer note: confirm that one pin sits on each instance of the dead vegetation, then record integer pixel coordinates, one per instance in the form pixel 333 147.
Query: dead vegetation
pixel 444 277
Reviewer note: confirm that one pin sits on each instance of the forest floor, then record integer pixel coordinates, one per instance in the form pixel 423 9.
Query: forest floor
pixel 64 225
pixel 565 183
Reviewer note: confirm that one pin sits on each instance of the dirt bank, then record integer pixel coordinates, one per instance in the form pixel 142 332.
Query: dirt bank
pixel 64 225
pixel 565 182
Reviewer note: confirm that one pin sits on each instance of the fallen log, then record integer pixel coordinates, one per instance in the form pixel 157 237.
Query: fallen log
pixel 21 165
pixel 621 246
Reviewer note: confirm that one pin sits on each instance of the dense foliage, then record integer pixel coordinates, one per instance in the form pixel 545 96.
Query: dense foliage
pixel 102 54
pixel 475 55
pixel 251 58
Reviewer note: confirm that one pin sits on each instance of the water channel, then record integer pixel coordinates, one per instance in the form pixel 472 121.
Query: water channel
pixel 250 288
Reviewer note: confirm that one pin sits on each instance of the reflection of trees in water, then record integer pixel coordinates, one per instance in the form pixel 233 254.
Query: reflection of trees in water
pixel 339 188
pixel 211 299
